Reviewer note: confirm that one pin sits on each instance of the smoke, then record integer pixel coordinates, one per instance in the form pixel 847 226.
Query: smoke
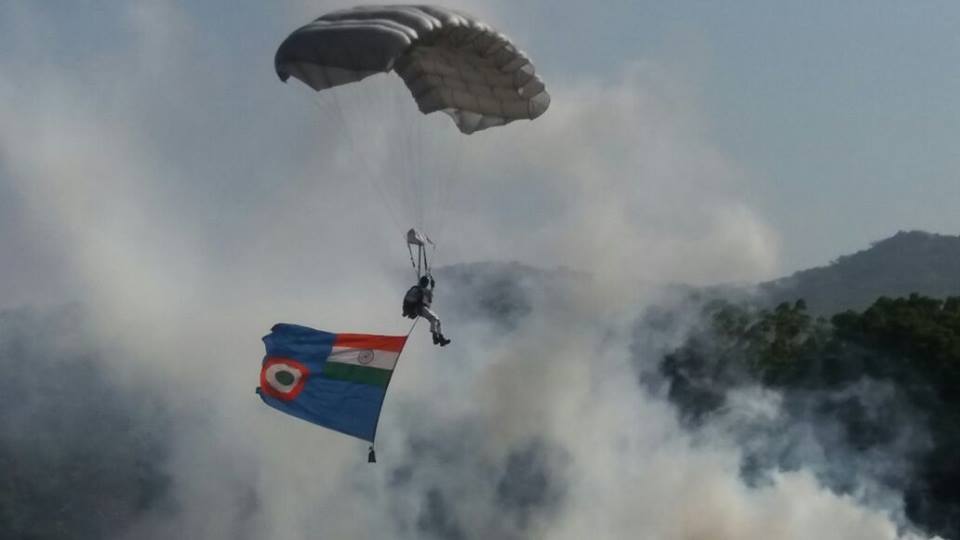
pixel 191 218
pixel 860 437
pixel 80 445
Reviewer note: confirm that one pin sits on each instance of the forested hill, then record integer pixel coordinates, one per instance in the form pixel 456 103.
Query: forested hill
pixel 866 400
pixel 908 262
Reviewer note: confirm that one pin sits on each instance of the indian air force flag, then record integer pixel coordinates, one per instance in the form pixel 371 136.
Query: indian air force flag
pixel 338 381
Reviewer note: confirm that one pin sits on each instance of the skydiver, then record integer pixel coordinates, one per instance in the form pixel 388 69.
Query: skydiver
pixel 417 303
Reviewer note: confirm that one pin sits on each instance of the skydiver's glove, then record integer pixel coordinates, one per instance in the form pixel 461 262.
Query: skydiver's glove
pixel 432 282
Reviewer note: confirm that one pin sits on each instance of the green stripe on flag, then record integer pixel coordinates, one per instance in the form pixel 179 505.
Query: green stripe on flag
pixel 357 374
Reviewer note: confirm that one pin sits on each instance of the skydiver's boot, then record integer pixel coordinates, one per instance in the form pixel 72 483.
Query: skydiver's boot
pixel 436 339
pixel 442 341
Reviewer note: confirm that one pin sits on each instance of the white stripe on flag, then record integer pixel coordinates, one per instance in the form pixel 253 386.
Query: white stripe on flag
pixel 374 358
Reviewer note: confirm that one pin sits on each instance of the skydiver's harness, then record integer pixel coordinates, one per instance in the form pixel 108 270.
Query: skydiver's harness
pixel 421 266
pixel 412 301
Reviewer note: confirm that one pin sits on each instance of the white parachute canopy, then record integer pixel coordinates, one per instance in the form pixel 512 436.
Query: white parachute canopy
pixel 450 61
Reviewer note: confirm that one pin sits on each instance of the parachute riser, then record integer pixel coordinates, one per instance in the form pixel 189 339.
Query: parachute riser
pixel 421 265
pixel 426 263
pixel 412 262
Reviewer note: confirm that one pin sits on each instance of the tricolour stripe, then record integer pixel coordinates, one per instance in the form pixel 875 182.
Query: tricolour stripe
pixel 367 341
pixel 363 358
pixel 371 358
pixel 357 374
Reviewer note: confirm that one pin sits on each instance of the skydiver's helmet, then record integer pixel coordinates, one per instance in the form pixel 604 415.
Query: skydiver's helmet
pixel 424 281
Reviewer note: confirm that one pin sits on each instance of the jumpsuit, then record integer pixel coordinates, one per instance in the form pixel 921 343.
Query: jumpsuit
pixel 428 313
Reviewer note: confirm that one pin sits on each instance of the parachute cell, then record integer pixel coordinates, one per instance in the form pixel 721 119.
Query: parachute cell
pixel 450 61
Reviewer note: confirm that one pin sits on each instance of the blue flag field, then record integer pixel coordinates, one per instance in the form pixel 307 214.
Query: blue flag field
pixel 337 381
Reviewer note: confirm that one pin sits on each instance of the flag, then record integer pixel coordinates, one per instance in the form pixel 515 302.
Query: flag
pixel 337 381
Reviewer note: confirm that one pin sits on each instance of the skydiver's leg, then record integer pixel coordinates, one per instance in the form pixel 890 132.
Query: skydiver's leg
pixel 429 315
pixel 438 337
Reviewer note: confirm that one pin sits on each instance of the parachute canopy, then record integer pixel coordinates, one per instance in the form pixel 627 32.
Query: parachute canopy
pixel 450 61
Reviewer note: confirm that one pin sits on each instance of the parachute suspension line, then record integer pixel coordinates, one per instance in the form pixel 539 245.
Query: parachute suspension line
pixel 416 174
pixel 443 215
pixel 412 263
pixel 403 186
pixel 402 149
pixel 365 122
pixel 375 111
pixel 420 263
pixel 372 454
pixel 425 178
pixel 426 263
pixel 362 159
pixel 415 181
pixel 327 103
pixel 372 94
pixel 408 116
pixel 451 184
pixel 423 264
pixel 434 218
pixel 390 98
pixel 405 183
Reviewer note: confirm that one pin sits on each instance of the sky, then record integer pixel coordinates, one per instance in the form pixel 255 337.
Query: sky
pixel 840 114
pixel 835 120
pixel 155 171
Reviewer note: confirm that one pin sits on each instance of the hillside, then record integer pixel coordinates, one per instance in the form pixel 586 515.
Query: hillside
pixel 908 262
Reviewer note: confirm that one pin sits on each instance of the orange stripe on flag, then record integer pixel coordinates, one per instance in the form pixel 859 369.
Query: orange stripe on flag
pixel 367 341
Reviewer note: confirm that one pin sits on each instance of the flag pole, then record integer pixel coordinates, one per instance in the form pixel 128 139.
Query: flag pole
pixel 372 454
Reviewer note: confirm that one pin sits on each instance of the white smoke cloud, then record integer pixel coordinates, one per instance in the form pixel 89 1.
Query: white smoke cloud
pixel 191 236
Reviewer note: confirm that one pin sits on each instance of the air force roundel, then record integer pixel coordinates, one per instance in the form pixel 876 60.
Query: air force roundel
pixel 283 378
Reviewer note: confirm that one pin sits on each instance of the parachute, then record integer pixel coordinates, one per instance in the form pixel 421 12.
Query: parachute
pixel 449 62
